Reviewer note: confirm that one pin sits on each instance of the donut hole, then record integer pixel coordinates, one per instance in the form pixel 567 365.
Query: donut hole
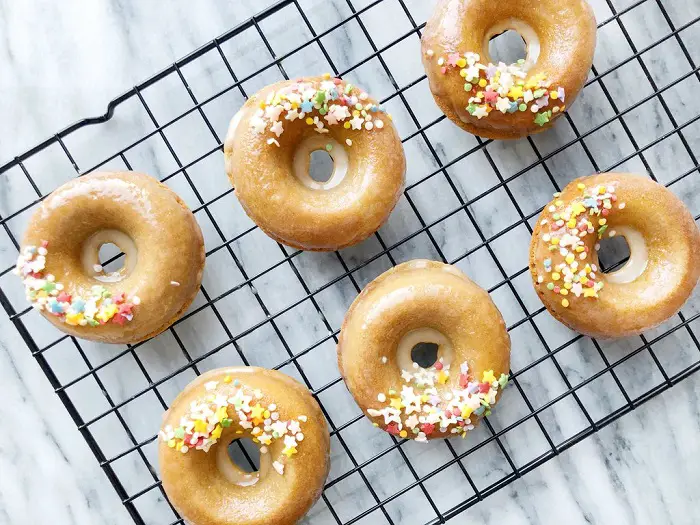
pixel 245 455
pixel 425 354
pixel 320 162
pixel 111 258
pixel 507 47
pixel 613 254
pixel 321 165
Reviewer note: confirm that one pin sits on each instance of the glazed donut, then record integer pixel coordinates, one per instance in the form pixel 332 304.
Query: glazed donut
pixel 267 152
pixel 226 404
pixel 59 259
pixel 424 302
pixel 662 270
pixel 500 101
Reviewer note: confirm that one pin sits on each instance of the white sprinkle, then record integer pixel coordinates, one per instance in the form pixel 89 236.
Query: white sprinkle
pixel 300 436
pixel 136 300
pixel 441 61
pixel 381 398
pixel 174 283
pixel 279 467
pixel 430 52
pixel 622 206
pixel 369 126
pixel 263 450
pixel 364 96
pixel 59 286
pixel 384 359
pixel 50 278
pixel 379 124
pixel 612 233
pixel 211 385
pixel 534 108
pixel 272 407
pixel 97 268
pixel 273 141
pixel 42 251
pixel 303 419
pixel 348 142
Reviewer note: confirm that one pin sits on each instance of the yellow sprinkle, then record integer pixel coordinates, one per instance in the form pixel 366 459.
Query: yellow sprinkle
pixel 515 92
pixel 601 190
pixel 309 121
pixel 346 125
pixel 580 248
pixel 74 319
pixel 565 303
pixel 564 291
pixel 590 292
pixel 171 443
pixel 461 62
pixel 266 414
pixel 396 403
pixel 289 452
pixel 587 268
pixel 559 202
pixel 584 280
pixel 227 379
pixel 554 95
pixel 403 434
pixel 326 76
pixel 483 83
pixel 200 426
pixel 571 223
pixel 602 221
pixel 488 377
pixel 216 433
pixel 568 286
pixel 556 276
pixel 570 258
pixel 555 241
pixel 463 73
pixel 466 412
pixel 442 377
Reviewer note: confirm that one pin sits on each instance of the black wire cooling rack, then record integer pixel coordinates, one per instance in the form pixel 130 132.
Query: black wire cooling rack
pixel 637 112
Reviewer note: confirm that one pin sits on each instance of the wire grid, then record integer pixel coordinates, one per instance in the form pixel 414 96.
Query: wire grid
pixel 565 386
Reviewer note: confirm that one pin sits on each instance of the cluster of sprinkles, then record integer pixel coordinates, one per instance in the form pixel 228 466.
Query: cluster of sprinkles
pixel 573 222
pixel 504 88
pixel 330 102
pixel 207 418
pixel 98 307
pixel 423 407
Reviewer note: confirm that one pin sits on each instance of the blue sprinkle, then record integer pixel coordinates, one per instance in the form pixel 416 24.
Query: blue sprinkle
pixel 548 262
pixel 480 411
pixel 332 94
pixel 306 106
pixel 78 306
pixel 513 107
pixel 55 306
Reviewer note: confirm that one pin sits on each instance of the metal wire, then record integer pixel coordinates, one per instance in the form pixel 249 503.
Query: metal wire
pixel 350 273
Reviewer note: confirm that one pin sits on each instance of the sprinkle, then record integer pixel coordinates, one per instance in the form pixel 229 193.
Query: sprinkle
pixel 348 142
pixel 174 283
pixel 97 268
pixel 565 303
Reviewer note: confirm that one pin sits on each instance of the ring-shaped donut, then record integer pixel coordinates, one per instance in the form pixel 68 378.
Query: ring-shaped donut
pixel 267 152
pixel 507 101
pixel 162 242
pixel 662 270
pixel 206 487
pixel 424 302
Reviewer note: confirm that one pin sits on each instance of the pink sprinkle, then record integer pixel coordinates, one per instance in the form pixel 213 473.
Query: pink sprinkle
pixel 443 69
pixel 438 366
pixel 490 96
pixel 44 244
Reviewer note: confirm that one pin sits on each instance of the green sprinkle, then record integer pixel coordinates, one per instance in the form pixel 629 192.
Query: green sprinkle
pixel 226 422
pixel 522 107
pixel 550 286
pixel 468 87
pixel 471 108
pixel 180 433
pixel 602 229
pixel 348 89
pixel 503 380
pixel 329 147
pixel 320 97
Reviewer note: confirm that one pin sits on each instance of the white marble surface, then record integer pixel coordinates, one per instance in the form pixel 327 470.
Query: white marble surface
pixel 61 62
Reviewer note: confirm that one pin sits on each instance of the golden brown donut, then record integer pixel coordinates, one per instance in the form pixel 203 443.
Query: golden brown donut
pixel 662 270
pixel 424 302
pixel 267 152
pixel 500 101
pixel 226 404
pixel 164 248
